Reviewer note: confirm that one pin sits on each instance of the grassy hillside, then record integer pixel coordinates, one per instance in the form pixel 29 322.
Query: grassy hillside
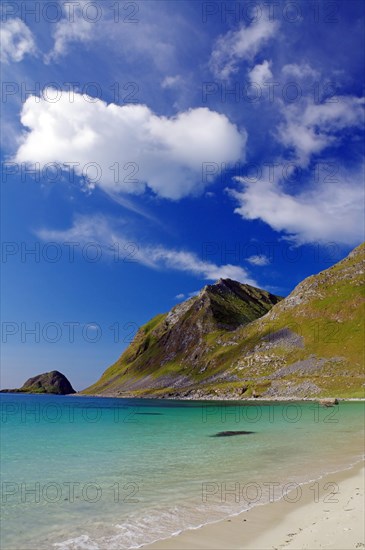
pixel 234 341
pixel 171 349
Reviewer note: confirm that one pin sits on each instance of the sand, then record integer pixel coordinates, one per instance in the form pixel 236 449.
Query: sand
pixel 317 520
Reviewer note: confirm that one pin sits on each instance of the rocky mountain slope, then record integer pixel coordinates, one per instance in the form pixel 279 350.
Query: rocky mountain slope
pixel 236 341
pixel 174 349
pixel 49 382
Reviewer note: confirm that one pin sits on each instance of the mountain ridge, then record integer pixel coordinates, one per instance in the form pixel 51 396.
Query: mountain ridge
pixel 178 338
pixel 237 341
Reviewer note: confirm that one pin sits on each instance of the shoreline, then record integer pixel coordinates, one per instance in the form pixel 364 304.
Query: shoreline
pixel 210 398
pixel 202 398
pixel 188 399
pixel 329 514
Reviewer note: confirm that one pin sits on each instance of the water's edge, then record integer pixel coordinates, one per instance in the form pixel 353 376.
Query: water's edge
pixel 351 468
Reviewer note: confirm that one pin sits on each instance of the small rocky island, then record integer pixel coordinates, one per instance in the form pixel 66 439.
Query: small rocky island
pixel 49 382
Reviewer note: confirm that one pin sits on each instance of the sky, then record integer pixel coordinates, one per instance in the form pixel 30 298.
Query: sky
pixel 149 148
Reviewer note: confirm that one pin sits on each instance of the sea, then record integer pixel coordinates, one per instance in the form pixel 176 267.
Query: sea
pixel 101 473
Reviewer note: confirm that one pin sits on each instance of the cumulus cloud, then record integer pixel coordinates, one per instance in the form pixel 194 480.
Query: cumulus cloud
pixel 241 45
pixel 259 260
pixel 98 229
pixel 131 146
pixel 309 128
pixel 16 40
pixel 327 211
pixel 261 73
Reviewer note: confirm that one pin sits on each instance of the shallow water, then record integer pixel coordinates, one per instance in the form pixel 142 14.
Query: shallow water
pixel 100 473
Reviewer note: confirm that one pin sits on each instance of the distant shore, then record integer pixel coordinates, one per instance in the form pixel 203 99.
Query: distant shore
pixel 318 520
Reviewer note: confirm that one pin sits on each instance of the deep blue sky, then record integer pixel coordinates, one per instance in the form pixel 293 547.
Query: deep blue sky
pixel 215 139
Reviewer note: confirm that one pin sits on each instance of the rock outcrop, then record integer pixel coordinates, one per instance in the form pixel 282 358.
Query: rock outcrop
pixel 49 382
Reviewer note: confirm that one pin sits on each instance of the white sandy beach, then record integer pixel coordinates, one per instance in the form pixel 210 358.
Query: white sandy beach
pixel 328 521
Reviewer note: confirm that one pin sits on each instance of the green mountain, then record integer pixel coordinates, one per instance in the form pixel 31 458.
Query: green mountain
pixel 237 341
pixel 49 382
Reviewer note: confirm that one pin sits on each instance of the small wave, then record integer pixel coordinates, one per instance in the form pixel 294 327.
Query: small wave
pixel 83 542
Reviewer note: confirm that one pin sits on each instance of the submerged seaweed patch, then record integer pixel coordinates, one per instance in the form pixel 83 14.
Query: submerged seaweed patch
pixel 230 433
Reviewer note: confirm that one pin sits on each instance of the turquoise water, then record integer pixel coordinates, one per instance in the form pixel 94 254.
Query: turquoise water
pixel 99 473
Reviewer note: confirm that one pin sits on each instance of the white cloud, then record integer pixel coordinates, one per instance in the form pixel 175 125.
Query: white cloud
pixel 171 81
pixel 16 41
pixel 194 293
pixel 259 260
pixel 341 112
pixel 314 120
pixel 328 211
pixel 261 73
pixel 309 127
pixel 99 230
pixel 74 27
pixel 142 37
pixel 186 261
pixel 165 154
pixel 299 71
pixel 242 44
pixel 180 296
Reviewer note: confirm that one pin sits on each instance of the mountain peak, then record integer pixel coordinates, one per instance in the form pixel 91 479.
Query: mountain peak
pixel 180 339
